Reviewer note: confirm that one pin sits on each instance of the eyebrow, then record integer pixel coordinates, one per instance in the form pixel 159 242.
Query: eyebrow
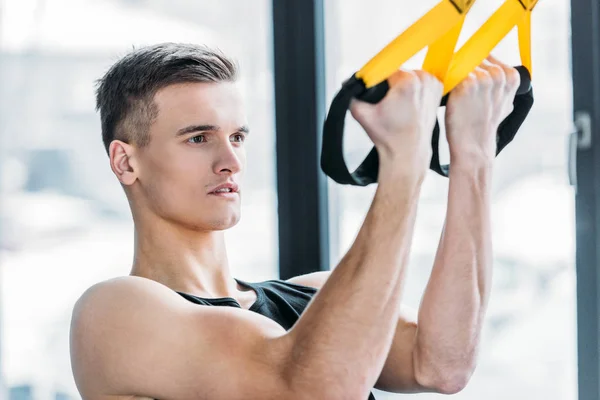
pixel 208 128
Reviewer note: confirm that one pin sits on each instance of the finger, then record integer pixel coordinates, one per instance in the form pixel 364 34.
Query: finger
pixel 422 75
pixel 484 78
pixel 429 79
pixel 361 111
pixel 400 75
pixel 512 76
pixel 493 60
pixel 431 87
pixel 467 83
pixel 486 62
pixel 357 108
pixel 427 76
pixel 497 73
pixel 405 82
pixel 513 79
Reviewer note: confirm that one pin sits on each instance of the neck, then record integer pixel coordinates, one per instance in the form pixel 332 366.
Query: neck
pixel 185 260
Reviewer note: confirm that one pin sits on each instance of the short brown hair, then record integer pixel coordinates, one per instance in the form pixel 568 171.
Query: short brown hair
pixel 125 94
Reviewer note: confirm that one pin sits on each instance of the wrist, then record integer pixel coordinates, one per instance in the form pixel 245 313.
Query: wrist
pixel 472 160
pixel 480 169
pixel 472 146
pixel 400 173
pixel 474 156
pixel 406 167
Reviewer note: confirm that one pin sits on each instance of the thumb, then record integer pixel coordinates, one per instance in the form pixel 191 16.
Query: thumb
pixel 360 110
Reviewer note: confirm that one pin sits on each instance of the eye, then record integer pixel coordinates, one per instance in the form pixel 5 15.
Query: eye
pixel 238 137
pixel 197 139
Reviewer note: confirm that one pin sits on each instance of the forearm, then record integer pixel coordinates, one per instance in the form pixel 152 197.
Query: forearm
pixel 455 300
pixel 344 336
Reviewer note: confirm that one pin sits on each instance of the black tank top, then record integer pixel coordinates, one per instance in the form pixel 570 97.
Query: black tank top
pixel 281 301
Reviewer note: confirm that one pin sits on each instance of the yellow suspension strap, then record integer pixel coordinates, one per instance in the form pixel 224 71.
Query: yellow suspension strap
pixel 513 13
pixel 438 30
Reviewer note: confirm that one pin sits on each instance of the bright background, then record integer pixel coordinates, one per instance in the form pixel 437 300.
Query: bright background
pixel 66 225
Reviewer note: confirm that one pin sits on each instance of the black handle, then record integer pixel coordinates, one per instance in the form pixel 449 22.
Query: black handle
pixel 332 158
pixel 376 93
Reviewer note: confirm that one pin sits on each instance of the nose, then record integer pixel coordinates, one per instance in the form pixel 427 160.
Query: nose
pixel 228 160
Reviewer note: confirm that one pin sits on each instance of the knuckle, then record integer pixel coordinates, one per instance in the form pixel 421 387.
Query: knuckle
pixel 420 74
pixel 413 81
pixel 493 60
pixel 395 78
pixel 399 77
pixel 355 109
pixel 498 76
pixel 513 78
pixel 428 80
pixel 484 79
pixel 469 82
pixel 496 71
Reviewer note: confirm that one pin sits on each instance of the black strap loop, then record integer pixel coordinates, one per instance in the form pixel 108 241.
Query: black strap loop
pixel 507 129
pixel 332 154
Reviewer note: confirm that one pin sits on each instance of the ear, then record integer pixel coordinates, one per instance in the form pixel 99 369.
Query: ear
pixel 123 162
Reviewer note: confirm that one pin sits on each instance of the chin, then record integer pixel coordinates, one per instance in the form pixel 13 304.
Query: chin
pixel 215 224
pixel 224 223
pixel 208 217
pixel 222 227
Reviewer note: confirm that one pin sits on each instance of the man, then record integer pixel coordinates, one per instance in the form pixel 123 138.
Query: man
pixel 181 327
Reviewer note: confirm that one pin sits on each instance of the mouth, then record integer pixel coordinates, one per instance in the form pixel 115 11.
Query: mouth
pixel 229 188
pixel 225 190
pixel 225 193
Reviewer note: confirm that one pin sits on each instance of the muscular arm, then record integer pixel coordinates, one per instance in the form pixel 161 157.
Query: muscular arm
pixel 456 297
pixel 436 350
pixel 398 373
pixel 453 306
pixel 357 307
pixel 440 349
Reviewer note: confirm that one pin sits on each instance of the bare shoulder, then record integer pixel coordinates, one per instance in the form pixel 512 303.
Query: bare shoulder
pixel 106 299
pixel 133 337
pixel 116 290
pixel 116 286
pixel 315 279
pixel 95 319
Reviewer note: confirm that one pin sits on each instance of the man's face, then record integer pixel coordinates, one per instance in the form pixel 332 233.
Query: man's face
pixel 196 145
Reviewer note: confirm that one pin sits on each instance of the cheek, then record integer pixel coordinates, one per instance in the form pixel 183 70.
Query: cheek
pixel 189 178
pixel 180 176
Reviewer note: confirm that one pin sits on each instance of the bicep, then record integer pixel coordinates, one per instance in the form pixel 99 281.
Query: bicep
pixel 144 340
